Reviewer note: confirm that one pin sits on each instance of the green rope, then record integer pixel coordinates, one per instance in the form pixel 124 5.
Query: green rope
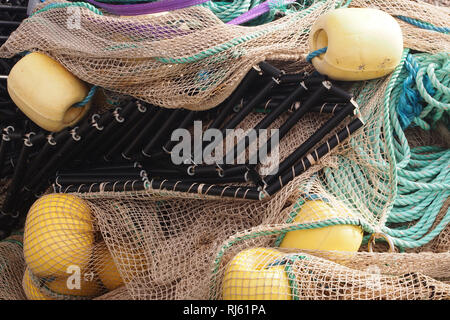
pixel 423 24
pixel 417 179
pixel 292 279
pixel 20 244
pixel 88 97
pixel 238 40
pixel 282 230
pixel 66 5
pixel 316 53
pixel 292 215
pixel 422 175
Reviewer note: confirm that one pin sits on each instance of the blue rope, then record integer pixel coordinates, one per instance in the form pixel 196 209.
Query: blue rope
pixel 316 53
pixel 423 25
pixel 87 99
pixel 410 103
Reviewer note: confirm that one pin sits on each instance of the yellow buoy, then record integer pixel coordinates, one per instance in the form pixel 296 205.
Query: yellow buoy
pixel 331 238
pixel 87 288
pixel 55 289
pixel 249 277
pixel 31 290
pixel 106 268
pixel 362 44
pixel 45 91
pixel 58 234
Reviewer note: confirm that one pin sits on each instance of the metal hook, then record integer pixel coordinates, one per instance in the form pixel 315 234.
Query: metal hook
pixel 190 170
pixel 379 235
pixel 75 135
pixel 94 122
pixel 27 139
pixel 117 116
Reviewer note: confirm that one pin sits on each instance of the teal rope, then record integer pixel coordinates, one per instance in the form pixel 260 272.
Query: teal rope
pixel 228 10
pixel 17 242
pixel 316 53
pixel 418 179
pixel 423 25
pixel 283 230
pixel 87 99
pixel 425 92
pixel 306 8
pixel 422 175
pixel 292 215
pixel 66 5
pixel 292 279
pixel 236 41
pixel 126 1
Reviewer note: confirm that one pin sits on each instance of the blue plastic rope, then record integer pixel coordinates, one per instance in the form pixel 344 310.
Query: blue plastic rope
pixel 316 53
pixel 423 25
pixel 410 103
pixel 87 99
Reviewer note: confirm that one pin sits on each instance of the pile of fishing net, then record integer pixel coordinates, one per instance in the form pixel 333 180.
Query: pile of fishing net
pixel 390 180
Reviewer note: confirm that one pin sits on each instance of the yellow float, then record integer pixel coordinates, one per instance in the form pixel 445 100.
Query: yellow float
pixel 331 238
pixel 32 291
pixel 52 288
pixel 249 276
pixel 58 233
pixel 88 288
pixel 45 91
pixel 106 268
pixel 362 44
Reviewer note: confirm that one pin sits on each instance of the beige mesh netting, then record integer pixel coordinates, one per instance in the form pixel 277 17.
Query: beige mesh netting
pixel 188 58
pixel 12 268
pixel 158 244
pixel 356 276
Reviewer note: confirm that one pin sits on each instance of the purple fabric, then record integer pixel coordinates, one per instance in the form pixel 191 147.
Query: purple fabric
pixel 255 12
pixel 146 8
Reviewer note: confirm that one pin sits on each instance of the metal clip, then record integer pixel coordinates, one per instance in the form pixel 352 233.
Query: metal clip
pixel 327 84
pixel 94 122
pixel 8 130
pixel 258 69
pixel 276 80
pixel 238 107
pixel 378 235
pixel 220 172
pixel 303 85
pixel 51 139
pixel 141 108
pixel 74 134
pixel 190 170
pixel 295 106
pixel 165 150
pixel 27 139
pixel 117 116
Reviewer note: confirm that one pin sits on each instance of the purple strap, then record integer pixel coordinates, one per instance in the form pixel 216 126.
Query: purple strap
pixel 169 5
pixel 146 8
pixel 256 11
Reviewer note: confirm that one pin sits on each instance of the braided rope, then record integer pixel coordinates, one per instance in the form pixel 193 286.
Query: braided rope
pixel 279 230
pixel 423 25
pixel 66 5
pixel 237 41
pixel 422 174
pixel 87 98
pixel 420 183
pixel 316 53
